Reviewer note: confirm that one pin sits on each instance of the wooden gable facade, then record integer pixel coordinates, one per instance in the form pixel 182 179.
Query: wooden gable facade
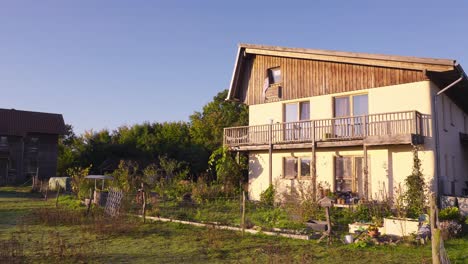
pixel 307 73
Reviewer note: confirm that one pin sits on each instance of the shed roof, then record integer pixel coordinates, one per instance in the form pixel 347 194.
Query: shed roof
pixel 19 123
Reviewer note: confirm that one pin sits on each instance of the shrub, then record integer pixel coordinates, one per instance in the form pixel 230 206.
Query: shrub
pixel 267 197
pixel 449 213
pixel 414 197
pixel 201 191
pixel 450 229
pixel 80 186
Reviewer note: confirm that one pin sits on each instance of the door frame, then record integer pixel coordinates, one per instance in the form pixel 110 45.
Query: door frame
pixel 354 178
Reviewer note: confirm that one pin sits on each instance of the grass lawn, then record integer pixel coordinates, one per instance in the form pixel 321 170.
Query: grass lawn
pixel 175 243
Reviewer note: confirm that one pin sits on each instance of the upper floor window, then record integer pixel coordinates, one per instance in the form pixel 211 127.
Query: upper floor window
pixel 352 105
pixel 444 118
pixel 297 111
pixel 274 75
pixel 3 142
pixel 465 124
pixel 451 114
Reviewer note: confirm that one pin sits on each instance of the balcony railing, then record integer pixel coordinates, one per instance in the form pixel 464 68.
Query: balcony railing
pixel 333 129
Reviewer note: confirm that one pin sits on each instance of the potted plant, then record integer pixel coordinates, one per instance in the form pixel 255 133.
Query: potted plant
pixel 373 230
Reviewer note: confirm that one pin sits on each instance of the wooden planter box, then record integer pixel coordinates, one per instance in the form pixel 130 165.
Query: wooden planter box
pixel 400 227
pixel 357 227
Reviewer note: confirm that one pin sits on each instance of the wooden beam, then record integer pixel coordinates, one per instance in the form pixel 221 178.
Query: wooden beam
pixel 360 60
pixel 314 163
pixel 341 143
pixel 366 175
pixel 270 153
pixel 388 140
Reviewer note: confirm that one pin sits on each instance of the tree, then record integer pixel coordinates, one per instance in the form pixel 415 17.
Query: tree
pixel 66 156
pixel 207 127
pixel 228 170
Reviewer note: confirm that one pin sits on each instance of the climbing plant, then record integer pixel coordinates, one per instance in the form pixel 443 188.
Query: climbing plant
pixel 414 196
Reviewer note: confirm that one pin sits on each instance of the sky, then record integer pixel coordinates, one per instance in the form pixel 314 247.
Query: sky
pixel 104 64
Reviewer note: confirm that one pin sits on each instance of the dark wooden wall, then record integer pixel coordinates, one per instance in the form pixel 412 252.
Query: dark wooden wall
pixel 306 78
pixel 46 157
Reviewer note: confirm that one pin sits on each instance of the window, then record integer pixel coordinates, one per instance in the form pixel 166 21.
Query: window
pixel 3 142
pixel 293 113
pixel 451 114
pixel 350 113
pixel 274 75
pixel 465 125
pixel 305 167
pixel 293 167
pixel 453 168
pixel 446 165
pixel 444 119
pixel 290 167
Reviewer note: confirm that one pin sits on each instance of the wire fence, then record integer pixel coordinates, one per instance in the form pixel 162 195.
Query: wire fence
pixel 227 210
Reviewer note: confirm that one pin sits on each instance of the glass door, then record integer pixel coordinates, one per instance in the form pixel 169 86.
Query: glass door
pixel 360 112
pixel 290 118
pixel 349 175
pixel 342 122
pixel 350 114
pixel 294 113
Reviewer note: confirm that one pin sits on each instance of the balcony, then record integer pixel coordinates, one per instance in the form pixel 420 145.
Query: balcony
pixel 408 127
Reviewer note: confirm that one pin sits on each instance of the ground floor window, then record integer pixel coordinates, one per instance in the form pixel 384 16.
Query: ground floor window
pixel 296 166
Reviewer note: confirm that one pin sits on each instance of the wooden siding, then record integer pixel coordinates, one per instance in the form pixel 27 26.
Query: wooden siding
pixel 305 78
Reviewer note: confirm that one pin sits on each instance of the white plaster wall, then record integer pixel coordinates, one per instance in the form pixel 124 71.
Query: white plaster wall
pixel 403 97
pixel 261 114
pixel 395 98
pixel 388 167
pixel 454 169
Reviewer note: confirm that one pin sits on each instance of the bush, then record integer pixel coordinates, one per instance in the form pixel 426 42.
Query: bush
pixel 201 191
pixel 450 213
pixel 267 197
pixel 414 196
pixel 80 186
pixel 450 229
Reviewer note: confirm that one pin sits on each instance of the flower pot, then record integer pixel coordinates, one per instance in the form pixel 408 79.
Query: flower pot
pixel 373 233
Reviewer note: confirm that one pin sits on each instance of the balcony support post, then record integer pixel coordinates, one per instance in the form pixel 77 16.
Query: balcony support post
pixel 270 153
pixel 366 174
pixel 314 163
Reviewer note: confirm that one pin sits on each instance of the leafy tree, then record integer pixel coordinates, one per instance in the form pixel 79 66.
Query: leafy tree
pixel 208 126
pixel 228 171
pixel 66 156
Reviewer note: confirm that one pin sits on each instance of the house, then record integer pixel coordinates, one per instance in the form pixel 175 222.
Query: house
pixel 28 145
pixel 349 122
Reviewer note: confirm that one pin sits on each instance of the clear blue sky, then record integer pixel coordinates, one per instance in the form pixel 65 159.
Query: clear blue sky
pixel 103 64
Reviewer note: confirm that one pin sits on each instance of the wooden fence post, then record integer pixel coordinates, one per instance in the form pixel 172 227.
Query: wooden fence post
pixel 58 194
pixel 435 232
pixel 143 210
pixel 91 195
pixel 243 213
pixel 329 227
pixel 46 192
